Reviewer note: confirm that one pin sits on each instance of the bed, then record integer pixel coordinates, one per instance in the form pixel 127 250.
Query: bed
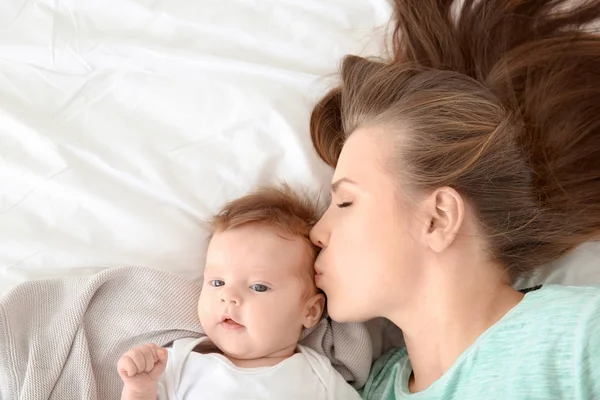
pixel 124 124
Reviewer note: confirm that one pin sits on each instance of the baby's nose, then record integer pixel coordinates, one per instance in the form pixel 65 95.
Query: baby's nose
pixel 231 298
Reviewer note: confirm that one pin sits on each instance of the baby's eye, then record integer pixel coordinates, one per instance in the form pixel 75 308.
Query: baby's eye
pixel 259 288
pixel 217 283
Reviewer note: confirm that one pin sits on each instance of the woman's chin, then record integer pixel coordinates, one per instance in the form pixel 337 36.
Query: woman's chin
pixel 343 313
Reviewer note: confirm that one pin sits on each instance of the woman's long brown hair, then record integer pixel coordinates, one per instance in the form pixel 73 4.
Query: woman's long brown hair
pixel 501 99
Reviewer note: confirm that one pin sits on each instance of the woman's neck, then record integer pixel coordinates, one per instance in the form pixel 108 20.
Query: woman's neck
pixel 451 311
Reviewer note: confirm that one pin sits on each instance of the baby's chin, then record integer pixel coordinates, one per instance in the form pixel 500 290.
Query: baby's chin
pixel 229 342
pixel 238 351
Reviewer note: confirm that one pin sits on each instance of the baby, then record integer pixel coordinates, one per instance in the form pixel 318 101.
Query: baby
pixel 258 295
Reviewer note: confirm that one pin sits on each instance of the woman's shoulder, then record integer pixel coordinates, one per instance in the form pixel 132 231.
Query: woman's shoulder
pixel 575 292
pixel 569 300
pixel 574 314
pixel 561 312
pixel 556 323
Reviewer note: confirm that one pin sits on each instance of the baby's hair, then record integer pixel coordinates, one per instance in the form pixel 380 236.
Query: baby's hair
pixel 289 213
pixel 282 208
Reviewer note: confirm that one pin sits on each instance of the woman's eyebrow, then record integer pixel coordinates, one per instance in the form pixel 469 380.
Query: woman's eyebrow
pixel 335 185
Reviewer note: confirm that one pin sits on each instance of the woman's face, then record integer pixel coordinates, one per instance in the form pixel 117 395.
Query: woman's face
pixel 370 254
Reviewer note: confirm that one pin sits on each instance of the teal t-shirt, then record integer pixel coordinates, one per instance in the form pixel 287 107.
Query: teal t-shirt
pixel 546 347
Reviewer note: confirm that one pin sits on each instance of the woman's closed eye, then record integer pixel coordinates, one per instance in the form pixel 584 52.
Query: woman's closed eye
pixel 344 204
pixel 216 283
pixel 257 287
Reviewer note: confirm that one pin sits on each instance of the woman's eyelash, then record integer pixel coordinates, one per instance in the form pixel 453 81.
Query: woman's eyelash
pixel 344 204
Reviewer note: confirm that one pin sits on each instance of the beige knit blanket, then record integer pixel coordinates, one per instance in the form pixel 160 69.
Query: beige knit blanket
pixel 61 339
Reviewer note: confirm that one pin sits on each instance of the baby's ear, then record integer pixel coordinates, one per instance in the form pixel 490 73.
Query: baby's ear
pixel 314 310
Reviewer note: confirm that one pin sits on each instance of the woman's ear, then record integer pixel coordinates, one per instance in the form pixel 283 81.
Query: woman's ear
pixel 314 310
pixel 444 215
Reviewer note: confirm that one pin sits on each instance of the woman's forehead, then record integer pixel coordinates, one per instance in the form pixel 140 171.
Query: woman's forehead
pixel 364 154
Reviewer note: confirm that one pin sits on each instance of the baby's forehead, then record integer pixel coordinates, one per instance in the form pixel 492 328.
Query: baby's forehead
pixel 261 241
pixel 260 249
pixel 264 266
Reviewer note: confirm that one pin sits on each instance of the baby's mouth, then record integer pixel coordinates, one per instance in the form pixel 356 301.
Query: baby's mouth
pixel 231 324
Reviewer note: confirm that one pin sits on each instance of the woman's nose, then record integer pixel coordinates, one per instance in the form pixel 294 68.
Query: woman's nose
pixel 318 235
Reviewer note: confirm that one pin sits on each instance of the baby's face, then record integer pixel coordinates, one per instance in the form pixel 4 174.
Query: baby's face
pixel 257 293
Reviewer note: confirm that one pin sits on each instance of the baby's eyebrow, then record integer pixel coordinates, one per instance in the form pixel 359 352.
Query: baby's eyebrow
pixel 210 270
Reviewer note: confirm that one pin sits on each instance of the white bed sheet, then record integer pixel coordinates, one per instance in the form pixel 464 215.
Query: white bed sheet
pixel 126 123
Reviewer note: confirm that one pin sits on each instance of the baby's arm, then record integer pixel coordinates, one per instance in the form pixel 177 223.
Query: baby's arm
pixel 140 369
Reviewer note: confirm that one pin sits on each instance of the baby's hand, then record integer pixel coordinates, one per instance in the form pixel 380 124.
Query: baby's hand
pixel 141 367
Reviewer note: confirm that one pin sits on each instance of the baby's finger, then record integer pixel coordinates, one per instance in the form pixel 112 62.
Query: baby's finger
pixel 127 368
pixel 138 358
pixel 160 366
pixel 162 354
pixel 154 347
pixel 149 357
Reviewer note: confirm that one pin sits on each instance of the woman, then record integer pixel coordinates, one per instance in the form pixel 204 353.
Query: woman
pixel 469 160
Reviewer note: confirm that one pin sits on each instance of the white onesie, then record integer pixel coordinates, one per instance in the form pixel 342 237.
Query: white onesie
pixel 305 375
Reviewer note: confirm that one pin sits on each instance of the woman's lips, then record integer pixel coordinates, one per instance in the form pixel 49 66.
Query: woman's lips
pixel 318 277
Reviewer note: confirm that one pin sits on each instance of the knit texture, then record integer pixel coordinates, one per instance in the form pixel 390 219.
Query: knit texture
pixel 61 338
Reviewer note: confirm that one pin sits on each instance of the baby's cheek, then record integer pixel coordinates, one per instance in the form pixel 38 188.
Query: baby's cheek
pixel 203 307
